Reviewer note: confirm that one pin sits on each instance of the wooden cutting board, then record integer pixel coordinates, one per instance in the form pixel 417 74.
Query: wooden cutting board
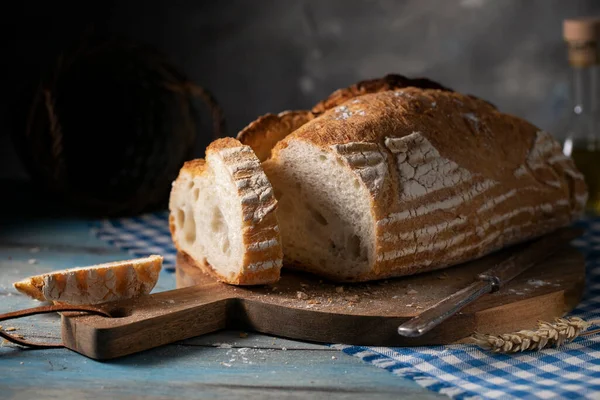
pixel 301 306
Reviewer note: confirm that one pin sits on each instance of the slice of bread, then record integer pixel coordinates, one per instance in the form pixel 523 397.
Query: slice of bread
pixel 95 284
pixel 223 215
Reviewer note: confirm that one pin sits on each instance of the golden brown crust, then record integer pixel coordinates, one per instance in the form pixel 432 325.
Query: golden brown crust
pixel 510 180
pixel 223 143
pixel 95 284
pixel 32 288
pixel 262 134
pixel 194 167
pixel 388 82
pixel 172 229
pixel 442 116
pixel 250 278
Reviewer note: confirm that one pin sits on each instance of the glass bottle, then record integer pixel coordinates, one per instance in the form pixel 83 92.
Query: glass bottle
pixel 581 132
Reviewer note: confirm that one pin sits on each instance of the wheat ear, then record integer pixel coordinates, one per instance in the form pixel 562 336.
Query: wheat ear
pixel 547 334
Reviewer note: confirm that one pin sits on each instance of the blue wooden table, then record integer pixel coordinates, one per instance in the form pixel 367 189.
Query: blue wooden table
pixel 225 364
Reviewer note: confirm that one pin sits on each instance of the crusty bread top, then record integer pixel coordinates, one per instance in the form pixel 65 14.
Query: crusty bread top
pixel 388 82
pixel 194 167
pixel 466 130
pixel 262 134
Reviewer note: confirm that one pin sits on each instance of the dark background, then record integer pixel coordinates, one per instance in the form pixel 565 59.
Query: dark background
pixel 271 55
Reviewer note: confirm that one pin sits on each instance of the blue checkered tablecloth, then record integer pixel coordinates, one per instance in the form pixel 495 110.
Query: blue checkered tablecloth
pixel 458 371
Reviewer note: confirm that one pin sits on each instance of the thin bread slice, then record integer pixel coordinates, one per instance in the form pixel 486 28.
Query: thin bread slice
pixel 222 215
pixel 95 284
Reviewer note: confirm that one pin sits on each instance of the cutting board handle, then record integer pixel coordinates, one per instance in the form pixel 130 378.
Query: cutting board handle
pixel 146 322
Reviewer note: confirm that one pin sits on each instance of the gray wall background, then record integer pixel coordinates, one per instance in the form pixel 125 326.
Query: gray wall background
pixel 271 55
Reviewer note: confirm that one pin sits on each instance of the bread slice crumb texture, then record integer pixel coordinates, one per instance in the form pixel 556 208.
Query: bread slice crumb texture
pixel 223 215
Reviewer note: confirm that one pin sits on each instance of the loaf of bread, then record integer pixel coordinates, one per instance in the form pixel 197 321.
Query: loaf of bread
pixel 392 177
pixel 404 181
pixel 95 284
pixel 222 215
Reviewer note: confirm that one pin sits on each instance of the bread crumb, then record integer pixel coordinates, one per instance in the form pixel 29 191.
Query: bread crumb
pixel 223 345
pixel 243 335
pixel 339 289
pixel 312 301
pixel 333 357
pixel 226 364
pixel 409 305
pixel 10 329
pixel 537 282
pixel 284 348
pixel 412 291
pixel 32 261
pixel 21 363
pixel 301 295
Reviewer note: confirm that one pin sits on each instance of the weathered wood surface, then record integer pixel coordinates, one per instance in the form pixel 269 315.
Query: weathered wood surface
pixel 256 366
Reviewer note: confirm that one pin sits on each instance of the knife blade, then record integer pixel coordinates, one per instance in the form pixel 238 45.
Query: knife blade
pixel 489 281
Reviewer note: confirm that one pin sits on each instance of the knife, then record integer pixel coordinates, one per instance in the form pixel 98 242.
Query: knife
pixel 489 281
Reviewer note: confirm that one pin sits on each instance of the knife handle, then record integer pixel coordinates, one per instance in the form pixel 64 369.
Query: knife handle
pixel 441 311
pixel 524 257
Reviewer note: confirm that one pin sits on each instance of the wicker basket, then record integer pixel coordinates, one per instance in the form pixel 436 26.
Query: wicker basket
pixel 110 127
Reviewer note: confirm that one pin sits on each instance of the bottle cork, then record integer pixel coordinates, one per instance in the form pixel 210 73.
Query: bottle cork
pixel 582 36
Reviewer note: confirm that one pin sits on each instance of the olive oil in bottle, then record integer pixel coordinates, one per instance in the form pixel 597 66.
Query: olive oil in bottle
pixel 588 162
pixel 581 129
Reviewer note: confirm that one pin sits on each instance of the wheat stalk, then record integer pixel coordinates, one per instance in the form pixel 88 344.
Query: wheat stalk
pixel 563 330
